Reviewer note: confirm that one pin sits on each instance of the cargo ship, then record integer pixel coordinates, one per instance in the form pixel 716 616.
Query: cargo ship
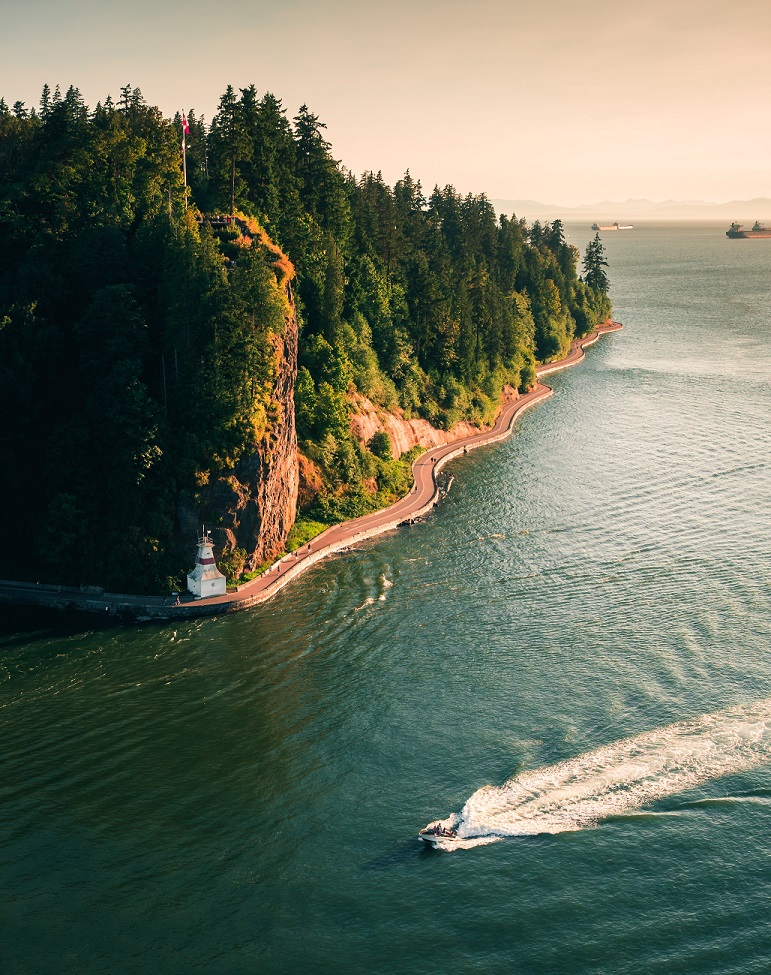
pixel 612 226
pixel 735 231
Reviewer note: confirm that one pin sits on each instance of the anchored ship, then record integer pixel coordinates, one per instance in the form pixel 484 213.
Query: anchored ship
pixel 736 233
pixel 612 226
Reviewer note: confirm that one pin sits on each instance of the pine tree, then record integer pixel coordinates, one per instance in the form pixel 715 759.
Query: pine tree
pixel 594 266
pixel 45 103
pixel 230 142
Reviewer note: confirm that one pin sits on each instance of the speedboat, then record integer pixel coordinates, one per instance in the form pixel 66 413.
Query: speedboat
pixel 437 832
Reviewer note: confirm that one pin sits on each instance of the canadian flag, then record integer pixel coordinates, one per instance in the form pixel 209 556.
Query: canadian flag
pixel 185 126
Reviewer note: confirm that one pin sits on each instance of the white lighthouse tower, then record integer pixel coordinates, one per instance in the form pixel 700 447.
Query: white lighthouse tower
pixel 206 579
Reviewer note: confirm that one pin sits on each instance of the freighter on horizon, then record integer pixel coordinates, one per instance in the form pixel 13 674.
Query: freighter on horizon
pixel 612 226
pixel 735 231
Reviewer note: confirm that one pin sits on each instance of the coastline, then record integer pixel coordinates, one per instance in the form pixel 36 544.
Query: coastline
pixel 420 500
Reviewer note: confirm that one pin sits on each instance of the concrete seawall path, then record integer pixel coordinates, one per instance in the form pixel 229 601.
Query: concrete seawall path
pixel 421 499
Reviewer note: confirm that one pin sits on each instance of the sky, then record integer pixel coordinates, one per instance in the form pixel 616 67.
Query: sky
pixel 550 100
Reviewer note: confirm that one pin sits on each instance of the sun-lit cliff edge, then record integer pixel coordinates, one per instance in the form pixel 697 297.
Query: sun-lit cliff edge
pixel 252 506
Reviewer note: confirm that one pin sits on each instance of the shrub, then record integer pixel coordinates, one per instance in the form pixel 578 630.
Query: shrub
pixel 231 565
pixel 301 532
pixel 380 445
pixel 527 377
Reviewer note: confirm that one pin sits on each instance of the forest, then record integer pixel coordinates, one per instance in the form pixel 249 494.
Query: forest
pixel 138 337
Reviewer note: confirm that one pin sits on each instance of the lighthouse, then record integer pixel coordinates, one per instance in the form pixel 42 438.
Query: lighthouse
pixel 206 579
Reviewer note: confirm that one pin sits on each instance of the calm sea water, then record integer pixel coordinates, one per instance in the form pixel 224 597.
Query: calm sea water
pixel 241 795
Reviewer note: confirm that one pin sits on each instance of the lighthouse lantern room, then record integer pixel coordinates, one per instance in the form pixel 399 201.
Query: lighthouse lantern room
pixel 206 579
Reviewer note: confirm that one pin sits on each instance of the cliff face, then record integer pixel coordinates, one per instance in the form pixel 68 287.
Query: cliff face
pixel 368 419
pixel 253 506
pixel 273 469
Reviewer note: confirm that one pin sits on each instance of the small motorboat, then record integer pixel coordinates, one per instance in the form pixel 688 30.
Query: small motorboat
pixel 437 832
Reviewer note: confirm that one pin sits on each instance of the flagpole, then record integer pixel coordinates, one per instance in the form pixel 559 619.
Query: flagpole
pixel 184 157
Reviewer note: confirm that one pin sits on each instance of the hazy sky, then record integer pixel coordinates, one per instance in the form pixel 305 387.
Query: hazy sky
pixel 552 100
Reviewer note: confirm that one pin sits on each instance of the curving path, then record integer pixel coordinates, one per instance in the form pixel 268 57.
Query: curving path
pixel 420 500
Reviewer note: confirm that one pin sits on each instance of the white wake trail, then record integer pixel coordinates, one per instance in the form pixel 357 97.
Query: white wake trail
pixel 618 778
pixel 385 585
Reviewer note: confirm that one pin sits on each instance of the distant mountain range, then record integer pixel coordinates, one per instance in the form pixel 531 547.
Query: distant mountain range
pixel 743 211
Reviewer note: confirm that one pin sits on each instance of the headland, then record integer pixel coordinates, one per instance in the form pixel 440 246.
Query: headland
pixel 421 499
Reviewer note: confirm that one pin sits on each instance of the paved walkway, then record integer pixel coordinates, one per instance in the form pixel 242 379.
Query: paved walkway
pixel 418 502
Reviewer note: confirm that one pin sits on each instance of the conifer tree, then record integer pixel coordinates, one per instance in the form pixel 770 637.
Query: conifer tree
pixel 230 142
pixel 594 266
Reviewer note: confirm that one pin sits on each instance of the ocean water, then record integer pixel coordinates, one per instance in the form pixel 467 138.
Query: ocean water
pixel 571 658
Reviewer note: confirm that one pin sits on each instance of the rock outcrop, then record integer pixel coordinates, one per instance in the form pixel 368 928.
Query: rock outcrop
pixel 253 506
pixel 268 477
pixel 368 419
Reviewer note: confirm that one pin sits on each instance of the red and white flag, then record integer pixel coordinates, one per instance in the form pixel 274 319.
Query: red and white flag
pixel 185 126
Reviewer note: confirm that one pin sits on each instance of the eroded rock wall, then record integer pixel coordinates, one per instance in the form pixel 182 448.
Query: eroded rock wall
pixel 268 476
pixel 368 419
pixel 253 506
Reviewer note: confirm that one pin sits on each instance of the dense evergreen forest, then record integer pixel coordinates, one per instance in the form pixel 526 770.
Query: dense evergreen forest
pixel 137 340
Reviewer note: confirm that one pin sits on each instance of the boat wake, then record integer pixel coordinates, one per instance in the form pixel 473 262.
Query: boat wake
pixel 618 778
pixel 385 585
